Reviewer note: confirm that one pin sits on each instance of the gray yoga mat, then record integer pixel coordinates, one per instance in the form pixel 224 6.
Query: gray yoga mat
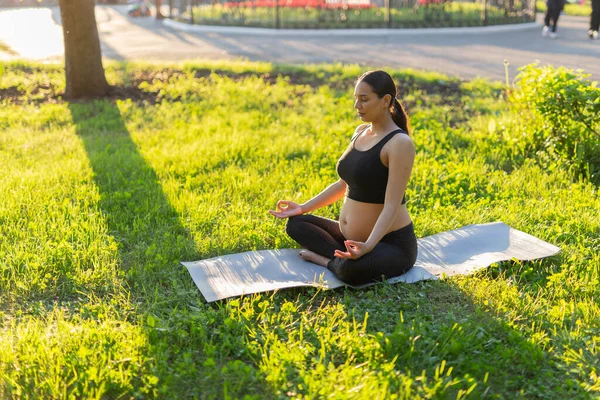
pixel 457 252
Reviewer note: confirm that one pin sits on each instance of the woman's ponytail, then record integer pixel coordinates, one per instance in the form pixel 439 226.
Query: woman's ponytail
pixel 399 115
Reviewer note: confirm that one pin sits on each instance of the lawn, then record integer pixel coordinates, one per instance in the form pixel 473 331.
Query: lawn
pixel 100 201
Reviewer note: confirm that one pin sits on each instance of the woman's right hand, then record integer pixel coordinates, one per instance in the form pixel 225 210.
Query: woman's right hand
pixel 286 209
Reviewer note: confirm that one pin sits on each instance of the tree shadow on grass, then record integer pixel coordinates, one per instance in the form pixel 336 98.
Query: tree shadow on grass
pixel 151 239
pixel 151 243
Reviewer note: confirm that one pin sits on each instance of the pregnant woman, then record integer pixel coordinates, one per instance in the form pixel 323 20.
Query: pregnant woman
pixel 374 237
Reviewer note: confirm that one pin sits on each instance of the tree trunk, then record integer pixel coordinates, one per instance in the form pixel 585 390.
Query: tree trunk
pixel 83 58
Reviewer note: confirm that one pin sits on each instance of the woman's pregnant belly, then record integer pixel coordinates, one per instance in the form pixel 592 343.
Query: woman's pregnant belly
pixel 357 219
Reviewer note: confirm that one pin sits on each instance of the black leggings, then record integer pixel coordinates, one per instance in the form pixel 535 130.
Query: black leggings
pixel 395 253
pixel 595 17
pixel 553 14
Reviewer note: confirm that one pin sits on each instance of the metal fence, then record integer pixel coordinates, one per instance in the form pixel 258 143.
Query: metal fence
pixel 332 14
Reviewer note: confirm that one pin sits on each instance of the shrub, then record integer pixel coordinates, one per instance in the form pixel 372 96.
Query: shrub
pixel 560 110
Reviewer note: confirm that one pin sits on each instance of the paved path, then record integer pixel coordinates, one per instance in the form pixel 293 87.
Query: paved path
pixel 467 55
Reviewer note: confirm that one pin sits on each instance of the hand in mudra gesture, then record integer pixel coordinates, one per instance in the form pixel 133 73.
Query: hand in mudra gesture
pixel 286 209
pixel 354 250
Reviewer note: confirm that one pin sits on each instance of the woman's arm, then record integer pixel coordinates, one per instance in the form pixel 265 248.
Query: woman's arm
pixel 330 195
pixel 401 156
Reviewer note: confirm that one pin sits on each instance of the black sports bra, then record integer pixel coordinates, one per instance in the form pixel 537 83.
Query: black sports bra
pixel 364 173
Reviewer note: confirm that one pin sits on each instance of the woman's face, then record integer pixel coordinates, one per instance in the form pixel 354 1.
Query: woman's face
pixel 368 106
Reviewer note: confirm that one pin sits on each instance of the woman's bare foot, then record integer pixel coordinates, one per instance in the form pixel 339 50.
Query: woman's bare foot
pixel 308 255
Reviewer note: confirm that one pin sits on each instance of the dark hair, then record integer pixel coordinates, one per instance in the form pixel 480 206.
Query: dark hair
pixel 382 84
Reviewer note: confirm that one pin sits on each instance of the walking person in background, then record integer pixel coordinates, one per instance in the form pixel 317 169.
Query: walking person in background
pixel 553 10
pixel 594 20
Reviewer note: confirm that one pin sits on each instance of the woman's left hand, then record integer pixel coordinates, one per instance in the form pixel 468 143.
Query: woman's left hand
pixel 354 250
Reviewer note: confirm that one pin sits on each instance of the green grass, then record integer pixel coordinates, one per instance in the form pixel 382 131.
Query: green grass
pixel 99 201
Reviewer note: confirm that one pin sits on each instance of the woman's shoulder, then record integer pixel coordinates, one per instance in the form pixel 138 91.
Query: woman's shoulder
pixel 400 142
